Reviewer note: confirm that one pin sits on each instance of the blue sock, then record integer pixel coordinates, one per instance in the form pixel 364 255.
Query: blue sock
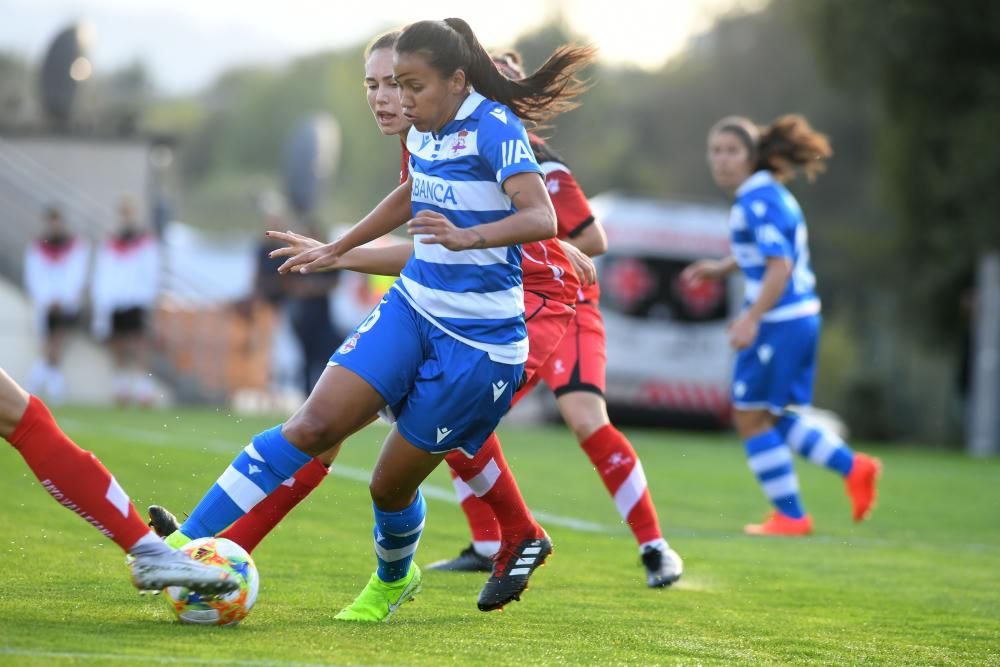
pixel 264 464
pixel 396 537
pixel 771 462
pixel 815 443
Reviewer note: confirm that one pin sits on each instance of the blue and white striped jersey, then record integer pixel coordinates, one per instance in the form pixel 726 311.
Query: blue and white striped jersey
pixel 474 295
pixel 766 221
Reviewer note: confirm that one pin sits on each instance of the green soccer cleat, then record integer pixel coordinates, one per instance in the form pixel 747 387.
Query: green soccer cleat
pixel 380 599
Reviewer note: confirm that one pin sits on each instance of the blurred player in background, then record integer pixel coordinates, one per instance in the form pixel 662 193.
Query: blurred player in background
pixel 78 481
pixel 575 371
pixel 124 289
pixel 777 334
pixel 55 276
pixel 445 349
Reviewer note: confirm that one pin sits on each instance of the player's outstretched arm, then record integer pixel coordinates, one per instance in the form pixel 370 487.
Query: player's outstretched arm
pixel 386 260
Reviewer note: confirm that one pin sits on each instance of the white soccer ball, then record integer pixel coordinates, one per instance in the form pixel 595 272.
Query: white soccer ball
pixel 229 609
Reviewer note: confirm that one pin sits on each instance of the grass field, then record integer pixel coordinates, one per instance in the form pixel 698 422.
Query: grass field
pixel 917 584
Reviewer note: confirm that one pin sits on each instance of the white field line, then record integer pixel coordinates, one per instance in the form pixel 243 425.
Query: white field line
pixel 159 439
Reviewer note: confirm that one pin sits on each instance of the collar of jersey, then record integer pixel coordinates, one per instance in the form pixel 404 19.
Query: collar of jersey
pixel 757 180
pixel 470 104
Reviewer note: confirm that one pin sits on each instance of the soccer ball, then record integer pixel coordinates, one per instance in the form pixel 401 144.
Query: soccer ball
pixel 229 609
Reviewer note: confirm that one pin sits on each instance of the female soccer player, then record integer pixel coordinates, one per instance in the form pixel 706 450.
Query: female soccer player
pixel 551 286
pixel 78 481
pixel 778 331
pixel 445 349
pixel 575 371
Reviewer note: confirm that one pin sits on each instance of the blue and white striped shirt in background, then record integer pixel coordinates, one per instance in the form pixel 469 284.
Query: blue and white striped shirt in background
pixel 766 221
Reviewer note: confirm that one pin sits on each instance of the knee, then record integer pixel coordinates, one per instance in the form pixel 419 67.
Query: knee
pixel 312 434
pixel 585 427
pixel 388 499
pixel 749 423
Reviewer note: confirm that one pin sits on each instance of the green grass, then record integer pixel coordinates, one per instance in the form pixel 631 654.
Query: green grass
pixel 917 584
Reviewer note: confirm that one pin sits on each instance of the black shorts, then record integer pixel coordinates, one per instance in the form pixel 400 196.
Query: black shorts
pixel 58 320
pixel 128 321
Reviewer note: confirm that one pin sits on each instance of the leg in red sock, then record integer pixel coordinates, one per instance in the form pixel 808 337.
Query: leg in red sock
pixel 491 480
pixel 621 471
pixel 75 478
pixel 254 526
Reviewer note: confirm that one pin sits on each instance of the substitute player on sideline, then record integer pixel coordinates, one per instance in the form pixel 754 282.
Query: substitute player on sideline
pixel 777 334
pixel 446 347
pixel 78 481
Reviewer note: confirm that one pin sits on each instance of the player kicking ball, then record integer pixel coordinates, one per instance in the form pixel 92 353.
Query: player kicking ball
pixel 78 481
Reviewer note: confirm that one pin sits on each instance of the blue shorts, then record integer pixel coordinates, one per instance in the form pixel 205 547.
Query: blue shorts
pixel 443 393
pixel 778 370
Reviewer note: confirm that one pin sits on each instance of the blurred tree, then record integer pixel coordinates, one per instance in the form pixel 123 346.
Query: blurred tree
pixel 936 68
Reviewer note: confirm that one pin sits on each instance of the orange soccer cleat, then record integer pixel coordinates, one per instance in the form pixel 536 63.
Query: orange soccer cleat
pixel 860 484
pixel 780 525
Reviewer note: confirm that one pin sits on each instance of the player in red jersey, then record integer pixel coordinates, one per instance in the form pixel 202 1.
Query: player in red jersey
pixel 551 286
pixel 78 481
pixel 576 374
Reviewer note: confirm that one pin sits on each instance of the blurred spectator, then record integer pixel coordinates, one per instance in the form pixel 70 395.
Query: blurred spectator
pixel 307 300
pixel 124 290
pixel 55 274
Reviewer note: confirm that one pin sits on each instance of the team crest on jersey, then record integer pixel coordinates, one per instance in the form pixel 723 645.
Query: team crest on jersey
pixel 552 185
pixel 458 145
pixel 500 115
pixel 349 344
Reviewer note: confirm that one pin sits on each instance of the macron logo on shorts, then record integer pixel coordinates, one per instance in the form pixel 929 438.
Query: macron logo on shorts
pixel 442 433
pixel 498 389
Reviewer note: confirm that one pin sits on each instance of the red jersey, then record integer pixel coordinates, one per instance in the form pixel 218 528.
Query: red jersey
pixel 545 268
pixel 572 212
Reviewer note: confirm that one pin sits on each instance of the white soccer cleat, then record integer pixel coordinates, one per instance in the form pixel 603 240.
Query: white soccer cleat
pixel 154 573
pixel 663 566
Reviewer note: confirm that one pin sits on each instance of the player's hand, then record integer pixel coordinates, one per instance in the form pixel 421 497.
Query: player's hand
pixel 305 255
pixel 582 263
pixel 440 230
pixel 703 269
pixel 743 331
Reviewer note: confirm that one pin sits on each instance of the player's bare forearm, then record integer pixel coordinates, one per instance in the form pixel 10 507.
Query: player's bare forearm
pixel 534 220
pixel 591 240
pixel 772 286
pixel 384 261
pixel 391 213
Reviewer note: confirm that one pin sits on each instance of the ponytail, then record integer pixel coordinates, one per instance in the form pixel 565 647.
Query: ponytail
pixel 790 143
pixel 783 147
pixel 451 45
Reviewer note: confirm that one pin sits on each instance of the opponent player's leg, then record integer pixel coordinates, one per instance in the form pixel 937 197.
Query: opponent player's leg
pixel 489 496
pixel 484 530
pixel 577 376
pixel 78 481
pixel 373 368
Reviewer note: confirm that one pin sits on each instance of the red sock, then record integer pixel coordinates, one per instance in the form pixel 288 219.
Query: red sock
pixel 493 482
pixel 254 526
pixel 483 523
pixel 76 478
pixel 620 469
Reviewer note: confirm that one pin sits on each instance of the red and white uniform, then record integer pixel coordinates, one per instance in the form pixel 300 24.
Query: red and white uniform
pixel 126 275
pixel 55 276
pixel 580 361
